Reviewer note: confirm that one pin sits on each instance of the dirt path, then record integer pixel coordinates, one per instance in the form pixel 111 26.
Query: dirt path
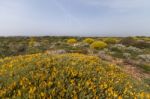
pixel 130 69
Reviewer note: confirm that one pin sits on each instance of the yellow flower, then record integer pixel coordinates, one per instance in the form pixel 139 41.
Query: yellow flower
pixel 43 94
pixel 50 83
pixel 119 97
pixel 32 90
pixel 19 93
pixel 115 94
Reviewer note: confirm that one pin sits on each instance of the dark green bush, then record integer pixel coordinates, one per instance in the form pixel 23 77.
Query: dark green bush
pixel 128 41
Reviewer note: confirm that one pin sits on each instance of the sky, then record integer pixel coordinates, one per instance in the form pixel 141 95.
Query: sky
pixel 75 17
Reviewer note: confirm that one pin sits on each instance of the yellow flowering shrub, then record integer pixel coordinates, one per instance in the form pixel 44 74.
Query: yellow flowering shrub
pixel 110 40
pixel 71 41
pixel 31 42
pixel 98 45
pixel 44 76
pixel 88 40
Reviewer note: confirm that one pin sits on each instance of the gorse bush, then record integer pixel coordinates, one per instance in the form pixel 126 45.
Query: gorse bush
pixel 88 40
pixel 32 41
pixel 110 40
pixel 71 41
pixel 98 45
pixel 44 76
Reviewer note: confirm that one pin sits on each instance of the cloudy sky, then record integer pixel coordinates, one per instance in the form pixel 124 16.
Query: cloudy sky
pixel 75 17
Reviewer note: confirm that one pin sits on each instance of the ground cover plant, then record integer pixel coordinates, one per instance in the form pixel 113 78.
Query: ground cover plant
pixel 75 67
pixel 65 76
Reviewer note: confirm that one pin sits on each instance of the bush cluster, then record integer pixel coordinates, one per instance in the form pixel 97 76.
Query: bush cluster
pixel 144 57
pixel 110 40
pixel 98 45
pixel 131 41
pixel 88 40
pixel 77 76
pixel 118 47
pixel 71 41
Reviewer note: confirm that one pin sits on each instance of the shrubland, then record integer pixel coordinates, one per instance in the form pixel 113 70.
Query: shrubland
pixel 66 76
pixel 58 72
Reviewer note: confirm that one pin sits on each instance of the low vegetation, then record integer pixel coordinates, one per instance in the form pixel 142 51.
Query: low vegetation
pixel 75 67
pixel 88 40
pixel 71 41
pixel 65 76
pixel 98 45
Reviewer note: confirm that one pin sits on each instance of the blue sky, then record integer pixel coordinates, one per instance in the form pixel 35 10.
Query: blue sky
pixel 75 17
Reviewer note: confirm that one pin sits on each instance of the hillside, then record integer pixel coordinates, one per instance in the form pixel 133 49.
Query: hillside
pixel 66 76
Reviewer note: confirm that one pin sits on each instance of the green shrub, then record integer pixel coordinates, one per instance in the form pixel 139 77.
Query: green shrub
pixel 88 40
pixel 71 41
pixel 31 42
pixel 142 44
pixel 110 41
pixel 118 48
pixel 98 45
pixel 145 67
pixel 131 41
pixel 128 41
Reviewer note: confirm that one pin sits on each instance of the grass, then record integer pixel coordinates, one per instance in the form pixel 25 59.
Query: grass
pixel 145 67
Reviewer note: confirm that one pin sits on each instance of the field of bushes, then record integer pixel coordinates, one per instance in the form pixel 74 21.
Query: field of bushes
pixel 75 67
